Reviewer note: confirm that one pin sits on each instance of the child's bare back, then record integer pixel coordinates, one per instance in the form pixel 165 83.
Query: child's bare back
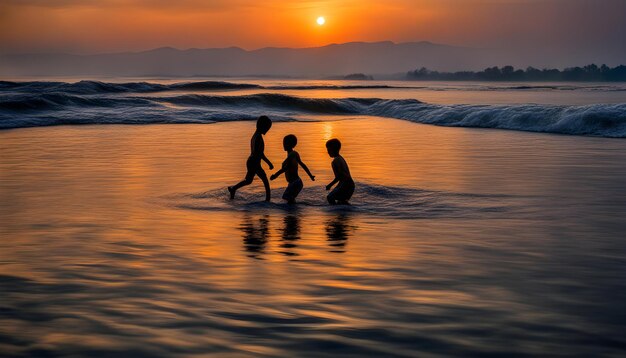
pixel 340 169
pixel 345 184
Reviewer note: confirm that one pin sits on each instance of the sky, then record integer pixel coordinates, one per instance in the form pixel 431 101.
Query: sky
pixel 99 26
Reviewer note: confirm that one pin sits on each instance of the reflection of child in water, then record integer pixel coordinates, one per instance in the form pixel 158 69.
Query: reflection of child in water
pixel 257 153
pixel 344 190
pixel 290 168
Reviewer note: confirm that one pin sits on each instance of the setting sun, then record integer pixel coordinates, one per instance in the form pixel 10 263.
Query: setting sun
pixel 321 20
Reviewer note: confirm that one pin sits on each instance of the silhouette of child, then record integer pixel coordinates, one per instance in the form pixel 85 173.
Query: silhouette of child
pixel 290 168
pixel 344 190
pixel 253 164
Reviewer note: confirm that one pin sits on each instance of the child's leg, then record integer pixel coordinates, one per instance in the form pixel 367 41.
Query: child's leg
pixel 346 193
pixel 266 183
pixel 286 195
pixel 341 194
pixel 332 197
pixel 292 191
pixel 247 181
pixel 233 189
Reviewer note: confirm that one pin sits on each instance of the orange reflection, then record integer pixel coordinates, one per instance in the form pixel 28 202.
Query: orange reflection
pixel 132 178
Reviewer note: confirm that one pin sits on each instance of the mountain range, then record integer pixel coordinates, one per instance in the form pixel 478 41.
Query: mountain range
pixel 330 60
pixel 376 58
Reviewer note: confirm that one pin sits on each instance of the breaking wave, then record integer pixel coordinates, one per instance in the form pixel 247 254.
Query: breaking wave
pixel 32 104
pixel 98 87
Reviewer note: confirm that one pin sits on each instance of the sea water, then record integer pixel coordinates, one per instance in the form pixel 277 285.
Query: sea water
pixel 121 239
pixel 579 109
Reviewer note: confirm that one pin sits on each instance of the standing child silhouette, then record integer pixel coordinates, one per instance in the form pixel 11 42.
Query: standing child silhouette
pixel 344 190
pixel 290 168
pixel 253 164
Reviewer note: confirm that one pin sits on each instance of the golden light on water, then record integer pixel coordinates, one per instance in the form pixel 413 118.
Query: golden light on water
pixel 328 131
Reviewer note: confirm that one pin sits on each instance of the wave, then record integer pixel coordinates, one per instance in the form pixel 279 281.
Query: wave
pixel 369 198
pixel 16 110
pixel 97 87
pixel 58 101
pixel 275 101
pixel 605 120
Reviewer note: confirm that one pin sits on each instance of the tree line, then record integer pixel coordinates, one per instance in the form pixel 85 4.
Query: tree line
pixel 589 73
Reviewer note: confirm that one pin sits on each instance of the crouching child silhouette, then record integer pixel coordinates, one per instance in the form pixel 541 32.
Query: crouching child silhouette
pixel 344 190
pixel 257 153
pixel 290 168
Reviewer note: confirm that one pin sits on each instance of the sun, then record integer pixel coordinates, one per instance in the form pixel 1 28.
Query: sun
pixel 321 20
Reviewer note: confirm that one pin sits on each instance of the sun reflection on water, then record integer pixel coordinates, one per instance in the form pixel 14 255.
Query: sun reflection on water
pixel 99 258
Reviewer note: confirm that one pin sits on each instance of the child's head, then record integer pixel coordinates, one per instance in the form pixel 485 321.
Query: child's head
pixel 289 142
pixel 333 146
pixel 263 124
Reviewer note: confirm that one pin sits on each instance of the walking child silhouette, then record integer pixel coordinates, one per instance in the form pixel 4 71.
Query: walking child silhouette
pixel 257 153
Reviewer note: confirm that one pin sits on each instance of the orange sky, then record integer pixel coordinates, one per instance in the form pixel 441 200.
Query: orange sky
pixel 88 26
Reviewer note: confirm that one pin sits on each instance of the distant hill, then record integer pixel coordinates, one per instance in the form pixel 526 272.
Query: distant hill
pixel 331 60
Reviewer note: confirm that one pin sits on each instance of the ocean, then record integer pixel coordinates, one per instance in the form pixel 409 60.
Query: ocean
pixel 578 109
pixel 488 220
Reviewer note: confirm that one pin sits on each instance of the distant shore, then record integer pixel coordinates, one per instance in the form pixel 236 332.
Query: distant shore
pixel 589 73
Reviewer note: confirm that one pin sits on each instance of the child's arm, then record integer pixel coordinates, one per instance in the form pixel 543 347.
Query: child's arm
pixel 336 172
pixel 267 161
pixel 330 185
pixel 306 169
pixel 281 171
pixel 277 174
pixel 258 146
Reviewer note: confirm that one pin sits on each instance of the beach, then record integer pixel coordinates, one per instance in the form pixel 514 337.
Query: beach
pixel 459 241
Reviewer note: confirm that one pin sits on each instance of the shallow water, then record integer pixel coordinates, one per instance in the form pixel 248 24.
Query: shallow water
pixel 120 239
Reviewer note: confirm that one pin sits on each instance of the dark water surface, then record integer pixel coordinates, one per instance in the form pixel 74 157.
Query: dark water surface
pixel 119 240
pixel 588 109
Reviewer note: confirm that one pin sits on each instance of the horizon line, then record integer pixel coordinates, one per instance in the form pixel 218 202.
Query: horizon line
pixel 424 42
